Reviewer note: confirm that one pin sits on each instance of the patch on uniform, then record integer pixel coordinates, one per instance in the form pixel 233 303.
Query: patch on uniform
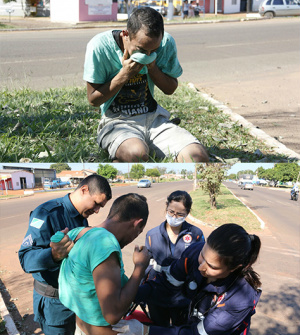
pixel 220 299
pixel 36 223
pixel 187 238
pixel 27 242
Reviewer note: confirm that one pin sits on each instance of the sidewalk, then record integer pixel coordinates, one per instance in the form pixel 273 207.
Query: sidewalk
pixel 40 23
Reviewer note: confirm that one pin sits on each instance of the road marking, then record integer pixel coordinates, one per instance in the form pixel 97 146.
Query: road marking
pixel 38 60
pixel 286 252
pixel 160 199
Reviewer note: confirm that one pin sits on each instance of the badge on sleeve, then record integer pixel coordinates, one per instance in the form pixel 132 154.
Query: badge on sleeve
pixel 187 238
pixel 27 242
pixel 36 223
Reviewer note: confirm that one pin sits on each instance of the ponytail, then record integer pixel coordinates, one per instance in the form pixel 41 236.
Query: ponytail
pixel 247 271
pixel 238 250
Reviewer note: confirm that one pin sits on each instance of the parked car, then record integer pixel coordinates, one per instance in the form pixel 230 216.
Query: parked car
pixel 144 183
pixel 56 183
pixel 247 186
pixel 271 8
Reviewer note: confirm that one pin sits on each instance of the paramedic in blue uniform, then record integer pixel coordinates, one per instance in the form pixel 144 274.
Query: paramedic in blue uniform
pixel 42 258
pixel 218 275
pixel 167 242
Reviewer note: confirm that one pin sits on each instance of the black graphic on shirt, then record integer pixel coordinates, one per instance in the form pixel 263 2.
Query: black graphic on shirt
pixel 135 97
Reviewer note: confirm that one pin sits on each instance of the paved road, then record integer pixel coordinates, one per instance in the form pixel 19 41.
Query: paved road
pixel 279 261
pixel 278 264
pixel 254 67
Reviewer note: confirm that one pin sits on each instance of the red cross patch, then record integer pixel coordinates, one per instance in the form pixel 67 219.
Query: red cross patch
pixel 187 238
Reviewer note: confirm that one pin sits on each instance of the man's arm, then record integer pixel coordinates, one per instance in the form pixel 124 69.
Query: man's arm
pixel 114 299
pixel 100 93
pixel 164 82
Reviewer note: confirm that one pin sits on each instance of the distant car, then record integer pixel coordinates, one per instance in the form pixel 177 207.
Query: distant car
pixel 271 8
pixel 247 186
pixel 144 183
pixel 240 183
pixel 152 4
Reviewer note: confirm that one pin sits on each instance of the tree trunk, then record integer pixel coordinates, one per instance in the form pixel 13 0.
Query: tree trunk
pixel 213 202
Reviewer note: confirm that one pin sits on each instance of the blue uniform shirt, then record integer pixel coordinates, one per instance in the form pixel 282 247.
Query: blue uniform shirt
pixel 222 307
pixel 159 245
pixel 164 252
pixel 35 253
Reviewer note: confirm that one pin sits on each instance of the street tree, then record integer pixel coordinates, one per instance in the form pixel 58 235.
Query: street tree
pixel 152 172
pixel 107 171
pixel 162 170
pixel 60 167
pixel 137 171
pixel 285 172
pixel 210 179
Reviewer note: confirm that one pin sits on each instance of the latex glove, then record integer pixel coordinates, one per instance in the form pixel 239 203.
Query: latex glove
pixel 129 327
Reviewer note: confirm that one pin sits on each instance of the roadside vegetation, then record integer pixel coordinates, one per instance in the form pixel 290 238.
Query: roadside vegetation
pixel 228 210
pixel 58 125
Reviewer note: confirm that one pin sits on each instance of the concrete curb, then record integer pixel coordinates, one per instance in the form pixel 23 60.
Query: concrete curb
pixel 88 25
pixel 9 323
pixel 258 133
pixel 262 223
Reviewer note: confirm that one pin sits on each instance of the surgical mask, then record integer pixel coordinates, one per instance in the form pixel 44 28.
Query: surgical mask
pixel 173 221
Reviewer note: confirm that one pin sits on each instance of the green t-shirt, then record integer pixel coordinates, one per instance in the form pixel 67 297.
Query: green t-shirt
pixel 76 285
pixel 103 61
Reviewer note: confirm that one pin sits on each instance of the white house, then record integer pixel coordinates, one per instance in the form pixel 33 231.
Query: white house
pixel 16 180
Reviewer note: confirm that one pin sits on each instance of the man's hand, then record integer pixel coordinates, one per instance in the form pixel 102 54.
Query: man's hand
pixel 130 67
pixel 60 250
pixel 141 256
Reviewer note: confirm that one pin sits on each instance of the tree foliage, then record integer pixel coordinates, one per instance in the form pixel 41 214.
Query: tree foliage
pixel 107 171
pixel 60 167
pixel 7 1
pixel 211 176
pixel 282 172
pixel 152 172
pixel 137 171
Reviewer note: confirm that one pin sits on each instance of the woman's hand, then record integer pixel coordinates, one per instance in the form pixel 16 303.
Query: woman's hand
pixel 129 327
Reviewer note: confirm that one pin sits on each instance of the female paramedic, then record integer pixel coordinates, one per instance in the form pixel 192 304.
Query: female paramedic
pixel 165 243
pixel 218 275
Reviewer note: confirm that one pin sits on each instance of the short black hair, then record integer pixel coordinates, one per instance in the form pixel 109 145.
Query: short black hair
pixel 181 196
pixel 96 184
pixel 130 206
pixel 148 19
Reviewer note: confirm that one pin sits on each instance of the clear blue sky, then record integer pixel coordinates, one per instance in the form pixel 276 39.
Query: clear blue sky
pixel 125 167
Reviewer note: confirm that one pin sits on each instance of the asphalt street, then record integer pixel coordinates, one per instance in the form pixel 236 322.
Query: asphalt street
pixel 278 265
pixel 252 67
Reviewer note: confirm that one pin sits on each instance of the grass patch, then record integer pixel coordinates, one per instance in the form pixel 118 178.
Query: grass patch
pixel 58 125
pixel 229 210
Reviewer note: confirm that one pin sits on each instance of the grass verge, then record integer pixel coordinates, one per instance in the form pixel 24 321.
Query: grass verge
pixel 229 210
pixel 58 125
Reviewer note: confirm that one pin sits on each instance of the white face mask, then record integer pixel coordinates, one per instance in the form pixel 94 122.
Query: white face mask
pixel 174 221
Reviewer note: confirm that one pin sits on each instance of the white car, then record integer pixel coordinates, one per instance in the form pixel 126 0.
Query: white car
pixel 271 8
pixel 247 186
pixel 144 183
